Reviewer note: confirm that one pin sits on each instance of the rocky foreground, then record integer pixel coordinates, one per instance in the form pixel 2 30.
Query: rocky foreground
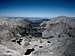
pixel 58 38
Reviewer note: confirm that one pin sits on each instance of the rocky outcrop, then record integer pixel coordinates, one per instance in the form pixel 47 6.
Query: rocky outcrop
pixel 10 27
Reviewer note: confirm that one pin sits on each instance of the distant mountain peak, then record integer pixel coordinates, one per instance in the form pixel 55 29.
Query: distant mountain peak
pixel 62 17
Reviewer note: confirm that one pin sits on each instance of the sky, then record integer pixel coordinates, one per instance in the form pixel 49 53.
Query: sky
pixel 37 8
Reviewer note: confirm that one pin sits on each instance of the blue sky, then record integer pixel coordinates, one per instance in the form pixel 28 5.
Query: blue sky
pixel 37 8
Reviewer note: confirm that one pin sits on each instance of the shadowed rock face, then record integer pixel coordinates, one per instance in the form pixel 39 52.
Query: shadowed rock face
pixel 19 41
pixel 29 51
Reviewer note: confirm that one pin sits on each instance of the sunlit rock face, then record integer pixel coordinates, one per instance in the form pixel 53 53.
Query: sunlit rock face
pixel 61 29
pixel 58 25
pixel 54 29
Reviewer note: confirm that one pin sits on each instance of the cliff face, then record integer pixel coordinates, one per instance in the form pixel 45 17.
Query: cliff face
pixel 59 24
pixel 62 28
